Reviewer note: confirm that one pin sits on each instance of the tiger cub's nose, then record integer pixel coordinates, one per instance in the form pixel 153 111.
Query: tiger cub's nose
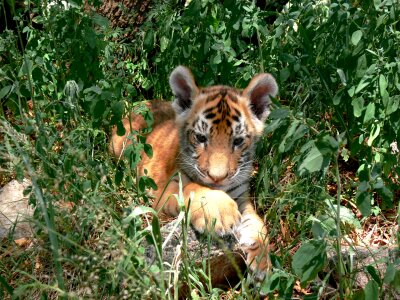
pixel 218 167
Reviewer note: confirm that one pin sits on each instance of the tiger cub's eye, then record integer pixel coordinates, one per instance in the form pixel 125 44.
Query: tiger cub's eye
pixel 201 138
pixel 238 141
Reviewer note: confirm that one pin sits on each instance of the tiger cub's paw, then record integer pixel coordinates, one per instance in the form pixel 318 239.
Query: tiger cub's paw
pixel 214 211
pixel 253 240
pixel 257 258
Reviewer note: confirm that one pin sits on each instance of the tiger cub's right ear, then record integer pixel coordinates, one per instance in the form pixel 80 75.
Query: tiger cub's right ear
pixel 184 88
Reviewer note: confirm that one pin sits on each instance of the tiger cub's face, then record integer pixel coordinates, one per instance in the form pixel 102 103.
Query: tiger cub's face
pixel 218 127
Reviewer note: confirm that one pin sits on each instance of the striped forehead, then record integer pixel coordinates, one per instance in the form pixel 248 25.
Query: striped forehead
pixel 221 106
pixel 220 112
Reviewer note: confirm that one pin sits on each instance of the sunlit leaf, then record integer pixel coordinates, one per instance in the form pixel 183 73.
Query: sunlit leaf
pixel 369 113
pixel 356 37
pixel 314 161
pixel 374 134
pixel 342 76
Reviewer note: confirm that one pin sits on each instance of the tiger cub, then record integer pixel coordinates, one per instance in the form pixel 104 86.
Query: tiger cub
pixel 208 135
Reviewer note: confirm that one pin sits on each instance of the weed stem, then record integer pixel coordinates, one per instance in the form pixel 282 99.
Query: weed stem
pixel 339 235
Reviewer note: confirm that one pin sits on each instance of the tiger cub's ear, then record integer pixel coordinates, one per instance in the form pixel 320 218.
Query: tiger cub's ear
pixel 258 91
pixel 184 88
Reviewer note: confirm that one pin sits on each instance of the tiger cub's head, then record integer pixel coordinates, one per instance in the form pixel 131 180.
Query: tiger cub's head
pixel 219 126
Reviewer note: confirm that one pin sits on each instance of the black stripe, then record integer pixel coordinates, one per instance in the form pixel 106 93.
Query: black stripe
pixel 236 118
pixel 208 110
pixel 210 116
pixel 204 125
pixel 237 186
pixel 239 196
pixel 246 220
pixel 233 97
pixel 212 97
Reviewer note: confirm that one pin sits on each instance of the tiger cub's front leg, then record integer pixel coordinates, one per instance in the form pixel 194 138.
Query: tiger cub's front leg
pixel 211 210
pixel 252 235
pixel 208 206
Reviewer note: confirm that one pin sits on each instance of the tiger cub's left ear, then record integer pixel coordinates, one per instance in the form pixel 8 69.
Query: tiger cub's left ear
pixel 184 88
pixel 258 91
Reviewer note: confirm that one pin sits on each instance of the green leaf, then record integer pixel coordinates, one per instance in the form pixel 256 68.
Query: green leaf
pixel 392 104
pixel 358 106
pixel 358 295
pixel 142 184
pixel 279 113
pixel 99 109
pixel 148 41
pixel 371 290
pixel 187 50
pixel 295 132
pixel 361 66
pixel 369 113
pixel 336 99
pixel 396 281
pixel 217 59
pixel 363 200
pixel 346 215
pixel 274 125
pixel 91 37
pixel 279 280
pixel 94 89
pixel 389 274
pixel 374 274
pixel 382 89
pixel 148 150
pixel 351 91
pixel 120 128
pixel 151 183
pixel 314 161
pixel 327 144
pixel 155 226
pixel 86 186
pixel 363 83
pixel 377 4
pixel 309 259
pixel 118 109
pixel 284 74
pixel 4 91
pixel 6 286
pixel 163 43
pixel 376 128
pixel 119 175
pixel 100 20
pixel 19 172
pixel 139 210
pixel 382 83
pixel 356 37
pixel 206 46
pixel 342 76
pixel 26 68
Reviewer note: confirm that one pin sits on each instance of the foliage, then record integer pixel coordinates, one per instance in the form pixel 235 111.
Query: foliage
pixel 74 77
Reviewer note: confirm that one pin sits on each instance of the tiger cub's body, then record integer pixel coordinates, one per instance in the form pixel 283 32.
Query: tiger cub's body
pixel 208 135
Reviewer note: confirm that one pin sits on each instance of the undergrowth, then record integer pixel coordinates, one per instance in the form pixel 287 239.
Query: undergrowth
pixel 328 164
